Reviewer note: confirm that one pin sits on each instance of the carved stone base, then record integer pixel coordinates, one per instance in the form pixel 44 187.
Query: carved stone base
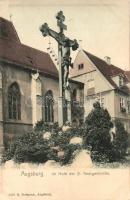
pixel 69 114
pixel 60 112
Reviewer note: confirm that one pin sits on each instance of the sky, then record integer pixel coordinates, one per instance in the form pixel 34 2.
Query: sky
pixel 101 25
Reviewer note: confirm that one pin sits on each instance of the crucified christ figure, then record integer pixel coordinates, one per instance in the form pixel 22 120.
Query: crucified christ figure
pixel 65 43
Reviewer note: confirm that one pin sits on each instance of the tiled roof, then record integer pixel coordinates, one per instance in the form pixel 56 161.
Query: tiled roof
pixel 128 75
pixel 107 70
pixel 7 31
pixel 12 50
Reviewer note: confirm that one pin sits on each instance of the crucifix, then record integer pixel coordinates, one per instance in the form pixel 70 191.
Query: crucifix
pixel 64 50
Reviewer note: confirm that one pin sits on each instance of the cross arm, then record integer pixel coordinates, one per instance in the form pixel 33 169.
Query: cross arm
pixel 47 31
pixel 59 37
pixel 74 44
pixel 44 29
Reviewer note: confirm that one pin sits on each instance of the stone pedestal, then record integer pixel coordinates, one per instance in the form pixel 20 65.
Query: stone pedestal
pixel 60 112
pixel 69 114
pixel 68 99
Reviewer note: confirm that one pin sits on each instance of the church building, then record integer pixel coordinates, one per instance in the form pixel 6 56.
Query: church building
pixel 29 86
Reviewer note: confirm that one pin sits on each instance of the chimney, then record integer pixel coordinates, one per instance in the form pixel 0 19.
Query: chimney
pixel 107 60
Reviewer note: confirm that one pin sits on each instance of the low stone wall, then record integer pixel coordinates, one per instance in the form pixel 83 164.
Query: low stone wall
pixel 15 129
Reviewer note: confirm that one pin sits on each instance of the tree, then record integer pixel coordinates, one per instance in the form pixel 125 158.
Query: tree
pixel 97 136
pixel 120 141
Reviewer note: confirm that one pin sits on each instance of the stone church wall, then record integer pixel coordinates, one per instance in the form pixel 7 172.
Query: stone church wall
pixel 23 77
pixel 11 74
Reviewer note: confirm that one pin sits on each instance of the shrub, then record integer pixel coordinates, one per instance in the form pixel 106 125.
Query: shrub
pixel 97 133
pixel 33 147
pixel 43 126
pixel 69 154
pixel 9 151
pixel 61 140
pixel 120 141
pixel 29 147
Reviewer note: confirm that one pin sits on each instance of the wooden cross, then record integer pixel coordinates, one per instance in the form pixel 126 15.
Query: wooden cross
pixel 64 46
pixel 60 19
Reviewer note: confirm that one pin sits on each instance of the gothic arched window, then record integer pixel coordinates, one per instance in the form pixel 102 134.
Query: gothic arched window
pixel 14 101
pixel 49 102
pixel 0 79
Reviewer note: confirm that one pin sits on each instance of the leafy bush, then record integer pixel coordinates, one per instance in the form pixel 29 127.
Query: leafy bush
pixel 97 133
pixel 69 153
pixel 61 140
pixel 120 141
pixel 43 126
pixel 29 147
pixel 33 147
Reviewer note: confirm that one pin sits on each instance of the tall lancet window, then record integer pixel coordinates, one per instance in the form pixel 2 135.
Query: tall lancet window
pixel 39 99
pixel 49 110
pixel 14 102
pixel 0 80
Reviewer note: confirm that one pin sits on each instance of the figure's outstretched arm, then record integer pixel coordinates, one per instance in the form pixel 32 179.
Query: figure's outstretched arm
pixel 74 44
pixel 47 31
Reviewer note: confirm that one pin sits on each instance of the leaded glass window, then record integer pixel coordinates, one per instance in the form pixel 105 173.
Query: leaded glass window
pixel 14 102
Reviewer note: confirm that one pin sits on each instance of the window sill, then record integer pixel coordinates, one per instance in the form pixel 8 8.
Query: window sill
pixel 16 122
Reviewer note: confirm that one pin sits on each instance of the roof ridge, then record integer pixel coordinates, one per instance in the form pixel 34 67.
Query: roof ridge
pixel 109 65
pixel 13 50
pixel 41 60
pixel 8 30
pixel 15 32
pixel 107 70
pixel 5 19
